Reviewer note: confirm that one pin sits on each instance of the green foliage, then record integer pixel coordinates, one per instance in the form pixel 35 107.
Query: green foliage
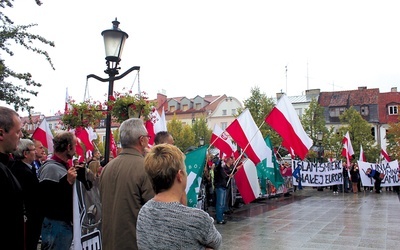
pixel 126 105
pixel 84 114
pixel 360 134
pixel 393 137
pixel 11 92
pixel 260 106
pixel 182 138
pixel 313 120
pixel 313 123
pixel 201 130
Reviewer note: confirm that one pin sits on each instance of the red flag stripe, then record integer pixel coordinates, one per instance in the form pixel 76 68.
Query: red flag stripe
pixel 285 121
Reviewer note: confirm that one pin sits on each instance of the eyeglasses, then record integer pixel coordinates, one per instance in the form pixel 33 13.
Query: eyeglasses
pixel 31 149
pixel 148 136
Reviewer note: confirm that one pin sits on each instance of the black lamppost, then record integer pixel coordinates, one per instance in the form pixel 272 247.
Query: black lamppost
pixel 114 40
pixel 320 136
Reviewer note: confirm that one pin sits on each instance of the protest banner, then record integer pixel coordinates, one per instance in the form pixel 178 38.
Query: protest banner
pixel 390 169
pixel 315 174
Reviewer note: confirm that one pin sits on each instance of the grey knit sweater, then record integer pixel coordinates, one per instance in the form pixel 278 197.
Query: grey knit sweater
pixel 171 225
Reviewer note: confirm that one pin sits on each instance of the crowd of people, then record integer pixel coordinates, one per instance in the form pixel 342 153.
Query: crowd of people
pixel 142 191
pixel 38 191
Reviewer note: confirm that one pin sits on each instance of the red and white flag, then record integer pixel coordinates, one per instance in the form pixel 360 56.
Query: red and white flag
pixel 67 105
pixel 160 123
pixel 150 131
pixel 362 155
pixel 44 135
pixel 247 181
pixel 285 121
pixel 221 141
pixel 113 145
pixel 385 155
pixel 248 137
pixel 83 135
pixel 347 150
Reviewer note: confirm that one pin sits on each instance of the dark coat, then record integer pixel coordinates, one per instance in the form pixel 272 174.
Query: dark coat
pixel 30 191
pixel 11 208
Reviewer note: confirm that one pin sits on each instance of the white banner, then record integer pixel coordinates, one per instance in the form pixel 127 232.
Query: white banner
pixel 318 174
pixel 390 169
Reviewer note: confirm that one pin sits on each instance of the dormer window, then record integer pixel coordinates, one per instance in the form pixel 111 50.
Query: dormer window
pixel 393 110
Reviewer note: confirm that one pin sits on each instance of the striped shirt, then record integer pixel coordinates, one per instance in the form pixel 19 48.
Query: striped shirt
pixel 171 225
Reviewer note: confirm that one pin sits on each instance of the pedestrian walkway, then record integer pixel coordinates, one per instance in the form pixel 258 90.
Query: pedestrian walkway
pixel 309 219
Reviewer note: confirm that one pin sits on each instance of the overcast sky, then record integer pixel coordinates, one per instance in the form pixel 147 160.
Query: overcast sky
pixel 190 48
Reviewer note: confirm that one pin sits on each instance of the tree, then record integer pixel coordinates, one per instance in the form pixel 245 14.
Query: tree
pixel 313 120
pixel 360 134
pixel 260 106
pixel 313 123
pixel 201 130
pixel 13 93
pixel 393 137
pixel 182 133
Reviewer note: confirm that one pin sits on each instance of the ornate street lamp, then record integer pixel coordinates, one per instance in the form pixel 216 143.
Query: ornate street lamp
pixel 114 40
pixel 201 141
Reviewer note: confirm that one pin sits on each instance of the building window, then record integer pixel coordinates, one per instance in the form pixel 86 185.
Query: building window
pixel 393 110
pixel 104 139
pixel 336 112
pixel 224 125
pixel 185 107
pixel 198 106
pixel 102 123
pixel 299 113
pixel 224 112
pixel 50 126
pixel 364 110
pixel 171 108
pixel 233 111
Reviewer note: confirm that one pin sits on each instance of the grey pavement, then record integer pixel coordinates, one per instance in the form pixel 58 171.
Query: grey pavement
pixel 310 219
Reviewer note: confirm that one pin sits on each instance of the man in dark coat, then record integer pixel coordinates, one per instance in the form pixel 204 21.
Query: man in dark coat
pixel 25 173
pixel 11 208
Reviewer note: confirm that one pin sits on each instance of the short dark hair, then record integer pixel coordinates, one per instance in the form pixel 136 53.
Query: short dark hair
pixel 161 137
pixel 6 118
pixel 62 140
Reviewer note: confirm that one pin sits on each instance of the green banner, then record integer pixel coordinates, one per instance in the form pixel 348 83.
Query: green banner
pixel 271 173
pixel 195 162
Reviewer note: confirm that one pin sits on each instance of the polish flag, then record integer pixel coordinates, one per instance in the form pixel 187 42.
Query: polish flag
pixel 248 136
pixel 160 123
pixel 150 131
pixel 247 181
pixel 285 121
pixel 44 135
pixel 347 150
pixel 67 105
pixel 113 145
pixel 83 135
pixel 362 155
pixel 385 155
pixel 221 141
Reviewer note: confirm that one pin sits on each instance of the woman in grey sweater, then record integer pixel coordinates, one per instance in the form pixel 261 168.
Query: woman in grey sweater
pixel 165 222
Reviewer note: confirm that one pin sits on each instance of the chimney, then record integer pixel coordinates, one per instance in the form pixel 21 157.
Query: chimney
pixel 161 99
pixel 393 89
pixel 362 87
pixel 279 95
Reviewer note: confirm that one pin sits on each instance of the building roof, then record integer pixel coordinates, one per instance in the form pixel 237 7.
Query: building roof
pixel 360 96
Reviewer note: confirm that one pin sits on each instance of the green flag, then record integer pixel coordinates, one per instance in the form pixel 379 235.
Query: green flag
pixel 195 161
pixel 272 173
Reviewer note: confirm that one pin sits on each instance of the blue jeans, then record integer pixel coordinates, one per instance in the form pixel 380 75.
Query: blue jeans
pixel 220 203
pixel 56 234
